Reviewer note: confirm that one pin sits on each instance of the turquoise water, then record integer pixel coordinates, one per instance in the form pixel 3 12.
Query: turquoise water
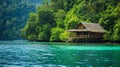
pixel 21 53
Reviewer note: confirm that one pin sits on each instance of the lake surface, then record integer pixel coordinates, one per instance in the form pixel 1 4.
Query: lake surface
pixel 21 53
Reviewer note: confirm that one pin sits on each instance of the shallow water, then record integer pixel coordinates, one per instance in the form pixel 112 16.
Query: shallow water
pixel 21 53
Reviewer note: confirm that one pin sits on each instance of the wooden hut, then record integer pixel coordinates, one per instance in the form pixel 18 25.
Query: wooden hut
pixel 87 32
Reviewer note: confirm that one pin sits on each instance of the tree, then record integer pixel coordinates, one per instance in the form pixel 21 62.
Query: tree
pixel 39 24
pixel 45 16
pixel 55 34
pixel 59 17
pixel 45 34
pixel 53 18
pixel 116 36
pixel 71 20
pixel 13 15
pixel 64 36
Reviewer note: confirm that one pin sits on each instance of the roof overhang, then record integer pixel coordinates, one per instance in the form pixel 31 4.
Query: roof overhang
pixel 85 30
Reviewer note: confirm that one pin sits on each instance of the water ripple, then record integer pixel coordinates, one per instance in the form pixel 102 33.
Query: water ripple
pixel 36 54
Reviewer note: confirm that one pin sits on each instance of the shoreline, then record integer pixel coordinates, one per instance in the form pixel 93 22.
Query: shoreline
pixel 59 41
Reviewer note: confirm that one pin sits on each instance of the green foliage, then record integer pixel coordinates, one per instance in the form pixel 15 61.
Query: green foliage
pixel 45 16
pixel 116 28
pixel 53 18
pixel 108 36
pixel 59 17
pixel 71 20
pixel 32 37
pixel 30 27
pixel 116 36
pixel 33 17
pixel 60 14
pixel 110 21
pixel 13 15
pixel 38 27
pixel 46 31
pixel 64 36
pixel 57 4
pixel 55 36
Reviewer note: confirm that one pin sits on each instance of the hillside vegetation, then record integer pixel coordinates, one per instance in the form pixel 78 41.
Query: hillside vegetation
pixel 13 16
pixel 53 18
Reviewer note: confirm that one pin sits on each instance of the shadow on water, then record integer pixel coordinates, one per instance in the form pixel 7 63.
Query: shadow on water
pixel 51 54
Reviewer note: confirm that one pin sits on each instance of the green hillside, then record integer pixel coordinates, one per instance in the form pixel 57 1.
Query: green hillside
pixel 53 18
pixel 13 16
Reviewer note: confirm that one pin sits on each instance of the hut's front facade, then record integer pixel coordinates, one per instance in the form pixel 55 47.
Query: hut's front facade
pixel 85 32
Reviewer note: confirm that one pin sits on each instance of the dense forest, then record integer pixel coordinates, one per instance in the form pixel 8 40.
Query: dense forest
pixel 13 15
pixel 53 18
pixel 50 20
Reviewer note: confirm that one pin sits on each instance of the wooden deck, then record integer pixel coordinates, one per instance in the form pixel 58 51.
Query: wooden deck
pixel 84 38
pixel 79 36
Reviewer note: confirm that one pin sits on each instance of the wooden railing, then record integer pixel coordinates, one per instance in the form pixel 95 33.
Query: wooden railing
pixel 79 36
pixel 86 36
